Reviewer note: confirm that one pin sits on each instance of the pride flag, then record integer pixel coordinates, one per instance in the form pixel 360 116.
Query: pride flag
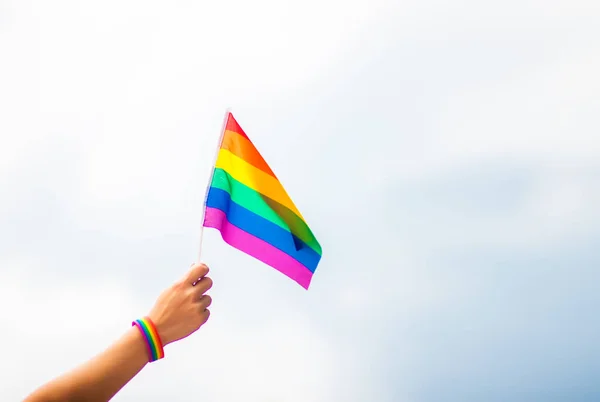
pixel 253 212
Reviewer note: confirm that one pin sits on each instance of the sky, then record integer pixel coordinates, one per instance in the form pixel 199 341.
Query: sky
pixel 445 154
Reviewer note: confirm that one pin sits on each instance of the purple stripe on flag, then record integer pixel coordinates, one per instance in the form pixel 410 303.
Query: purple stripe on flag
pixel 257 248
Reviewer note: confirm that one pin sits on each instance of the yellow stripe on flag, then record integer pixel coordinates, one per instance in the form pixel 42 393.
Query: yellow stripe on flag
pixel 255 178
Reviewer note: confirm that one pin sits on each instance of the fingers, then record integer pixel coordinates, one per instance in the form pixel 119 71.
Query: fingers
pixel 200 284
pixel 205 315
pixel 204 302
pixel 197 271
pixel 203 285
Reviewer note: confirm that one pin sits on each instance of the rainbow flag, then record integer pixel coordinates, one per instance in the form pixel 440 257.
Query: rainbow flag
pixel 253 212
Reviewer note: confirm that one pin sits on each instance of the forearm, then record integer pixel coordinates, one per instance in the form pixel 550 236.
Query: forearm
pixel 179 311
pixel 100 378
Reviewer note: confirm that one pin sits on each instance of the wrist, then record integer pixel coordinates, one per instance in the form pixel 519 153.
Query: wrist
pixel 152 340
pixel 163 330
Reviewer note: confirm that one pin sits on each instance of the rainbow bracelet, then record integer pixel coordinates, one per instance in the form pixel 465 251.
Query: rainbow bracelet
pixel 153 343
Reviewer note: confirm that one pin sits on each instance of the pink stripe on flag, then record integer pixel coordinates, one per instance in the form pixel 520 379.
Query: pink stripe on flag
pixel 257 248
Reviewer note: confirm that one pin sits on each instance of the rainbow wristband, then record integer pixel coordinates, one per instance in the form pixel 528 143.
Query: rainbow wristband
pixel 153 343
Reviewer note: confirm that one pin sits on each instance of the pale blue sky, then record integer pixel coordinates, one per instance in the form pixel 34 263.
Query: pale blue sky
pixel 444 153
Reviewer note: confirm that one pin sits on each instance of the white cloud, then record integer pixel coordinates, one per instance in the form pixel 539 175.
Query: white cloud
pixel 545 113
pixel 50 325
pixel 284 360
pixel 562 203
pixel 540 115
pixel 113 109
pixel 136 90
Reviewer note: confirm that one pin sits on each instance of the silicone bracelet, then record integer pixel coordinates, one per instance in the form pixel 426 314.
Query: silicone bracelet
pixel 153 343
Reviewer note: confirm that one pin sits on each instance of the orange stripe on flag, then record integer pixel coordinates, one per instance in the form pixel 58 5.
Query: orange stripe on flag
pixel 243 148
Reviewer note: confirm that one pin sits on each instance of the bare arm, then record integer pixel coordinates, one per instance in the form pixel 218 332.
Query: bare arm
pixel 179 311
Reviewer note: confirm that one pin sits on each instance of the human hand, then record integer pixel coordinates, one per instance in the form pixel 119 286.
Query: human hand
pixel 183 307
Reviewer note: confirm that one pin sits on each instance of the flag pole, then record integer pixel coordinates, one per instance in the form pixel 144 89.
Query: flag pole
pixel 212 170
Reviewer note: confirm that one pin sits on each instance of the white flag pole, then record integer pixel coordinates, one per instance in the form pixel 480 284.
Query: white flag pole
pixel 212 170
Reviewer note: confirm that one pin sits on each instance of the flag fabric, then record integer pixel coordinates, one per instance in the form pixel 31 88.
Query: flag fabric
pixel 254 214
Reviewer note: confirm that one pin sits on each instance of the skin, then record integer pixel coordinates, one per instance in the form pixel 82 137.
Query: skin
pixel 179 311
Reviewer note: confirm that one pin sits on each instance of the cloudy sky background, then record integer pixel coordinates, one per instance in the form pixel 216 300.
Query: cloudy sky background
pixel 444 153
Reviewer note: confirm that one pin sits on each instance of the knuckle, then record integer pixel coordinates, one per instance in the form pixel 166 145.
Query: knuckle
pixel 190 295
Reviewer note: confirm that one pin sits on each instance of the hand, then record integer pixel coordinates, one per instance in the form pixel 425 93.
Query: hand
pixel 183 308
